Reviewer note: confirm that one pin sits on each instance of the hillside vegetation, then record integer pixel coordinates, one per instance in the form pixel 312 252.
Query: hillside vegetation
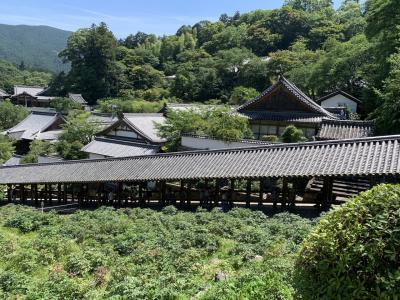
pixel 11 75
pixel 36 46
pixel 145 254
pixel 318 47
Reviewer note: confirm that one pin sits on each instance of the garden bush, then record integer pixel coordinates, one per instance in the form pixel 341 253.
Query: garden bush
pixel 354 251
pixel 147 254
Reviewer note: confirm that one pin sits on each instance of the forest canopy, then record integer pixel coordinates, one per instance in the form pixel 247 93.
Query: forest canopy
pixel 318 47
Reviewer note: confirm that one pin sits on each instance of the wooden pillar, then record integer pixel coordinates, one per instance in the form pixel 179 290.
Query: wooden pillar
pixel 217 184
pixel 65 195
pixel 182 198
pixel 22 193
pixel 284 192
pixel 80 194
pixel 9 192
pixel 231 192
pixel 59 197
pixel 50 193
pixel 163 195
pixel 261 193
pixel 119 193
pixel 141 200
pixel 248 193
pixel 188 193
pixel 36 194
pixel 327 194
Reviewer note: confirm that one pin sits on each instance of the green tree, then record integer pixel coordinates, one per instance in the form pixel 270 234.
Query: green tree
pixel 10 114
pixel 216 122
pixel 64 105
pixel 37 148
pixel 241 94
pixel 383 19
pixel 78 131
pixel 92 54
pixel 388 115
pixel 6 148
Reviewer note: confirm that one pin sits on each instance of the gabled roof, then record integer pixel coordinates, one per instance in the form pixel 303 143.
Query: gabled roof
pixel 302 99
pixel 339 92
pixel 141 123
pixel 30 90
pixel 33 124
pixel 113 147
pixel 144 124
pixel 344 129
pixel 375 156
pixel 3 93
pixel 78 98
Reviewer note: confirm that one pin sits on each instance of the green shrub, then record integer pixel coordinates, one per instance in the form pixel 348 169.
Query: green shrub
pixel 28 219
pixel 292 135
pixel 354 251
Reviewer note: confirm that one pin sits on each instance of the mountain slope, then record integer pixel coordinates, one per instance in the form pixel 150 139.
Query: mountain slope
pixel 36 46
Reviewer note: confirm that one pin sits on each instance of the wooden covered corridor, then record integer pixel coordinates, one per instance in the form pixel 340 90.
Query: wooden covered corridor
pixel 268 175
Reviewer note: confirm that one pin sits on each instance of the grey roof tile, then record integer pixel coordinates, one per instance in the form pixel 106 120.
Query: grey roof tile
pixel 111 147
pixel 353 157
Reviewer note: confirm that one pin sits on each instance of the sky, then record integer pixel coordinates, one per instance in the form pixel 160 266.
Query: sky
pixel 125 16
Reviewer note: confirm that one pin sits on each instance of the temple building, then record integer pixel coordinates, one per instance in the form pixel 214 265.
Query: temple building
pixel 132 135
pixel 30 96
pixel 38 125
pixel 339 99
pixel 284 104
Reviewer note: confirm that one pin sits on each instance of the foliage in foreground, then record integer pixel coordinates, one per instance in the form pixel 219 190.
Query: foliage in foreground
pixel 144 254
pixel 353 253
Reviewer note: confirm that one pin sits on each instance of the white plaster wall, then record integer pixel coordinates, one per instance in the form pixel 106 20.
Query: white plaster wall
pixel 340 100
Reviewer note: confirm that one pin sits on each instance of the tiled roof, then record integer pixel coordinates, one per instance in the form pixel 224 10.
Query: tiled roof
pixel 51 135
pixel 287 117
pixel 144 124
pixel 303 98
pixel 13 161
pixel 34 123
pixel 339 92
pixel 111 147
pixel 31 90
pixel 77 98
pixel 344 129
pixel 3 93
pixel 356 157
